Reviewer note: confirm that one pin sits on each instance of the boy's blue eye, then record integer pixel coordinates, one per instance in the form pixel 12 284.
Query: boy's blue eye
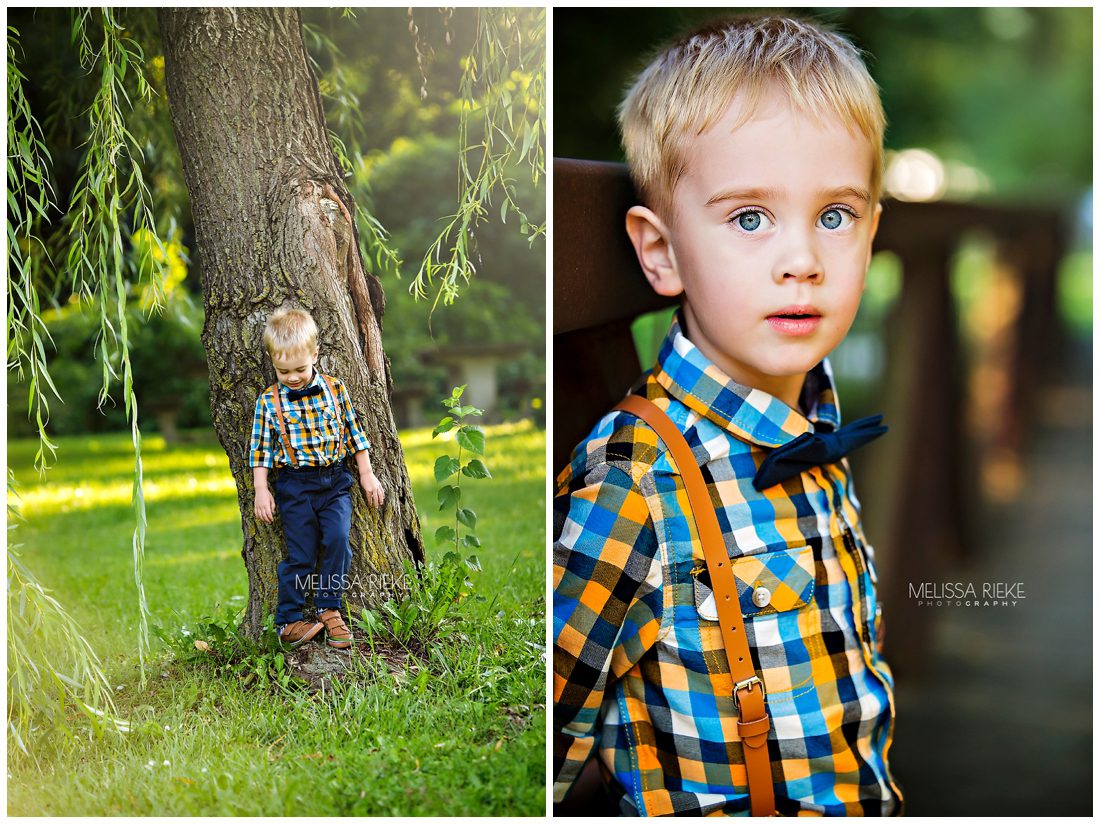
pixel 835 218
pixel 749 221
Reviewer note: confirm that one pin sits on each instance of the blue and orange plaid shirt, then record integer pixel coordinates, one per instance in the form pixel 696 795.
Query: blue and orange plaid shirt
pixel 641 679
pixel 313 424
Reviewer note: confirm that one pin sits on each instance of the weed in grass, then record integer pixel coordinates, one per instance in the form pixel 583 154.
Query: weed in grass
pixel 430 610
pixel 470 438
pixel 218 643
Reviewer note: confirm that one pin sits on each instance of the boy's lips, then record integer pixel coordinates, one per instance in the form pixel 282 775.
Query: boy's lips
pixel 795 320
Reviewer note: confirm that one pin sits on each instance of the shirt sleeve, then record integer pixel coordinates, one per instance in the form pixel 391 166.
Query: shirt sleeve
pixel 356 438
pixel 260 452
pixel 607 604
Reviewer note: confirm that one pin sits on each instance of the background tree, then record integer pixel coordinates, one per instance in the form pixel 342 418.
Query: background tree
pixel 273 225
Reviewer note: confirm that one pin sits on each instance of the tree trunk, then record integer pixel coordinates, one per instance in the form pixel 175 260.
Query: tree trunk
pixel 272 222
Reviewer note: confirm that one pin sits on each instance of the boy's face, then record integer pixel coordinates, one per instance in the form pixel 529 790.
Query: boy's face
pixel 294 369
pixel 769 238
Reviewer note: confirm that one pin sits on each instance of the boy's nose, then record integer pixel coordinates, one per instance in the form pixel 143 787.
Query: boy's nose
pixel 799 261
pixel 808 273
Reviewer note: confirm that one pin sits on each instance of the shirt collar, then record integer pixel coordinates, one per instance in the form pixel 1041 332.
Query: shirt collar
pixel 315 381
pixel 750 414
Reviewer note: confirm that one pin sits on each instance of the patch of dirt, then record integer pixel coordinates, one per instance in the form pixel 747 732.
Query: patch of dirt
pixel 520 715
pixel 317 664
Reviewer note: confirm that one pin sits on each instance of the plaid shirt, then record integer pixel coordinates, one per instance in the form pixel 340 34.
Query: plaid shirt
pixel 640 671
pixel 312 425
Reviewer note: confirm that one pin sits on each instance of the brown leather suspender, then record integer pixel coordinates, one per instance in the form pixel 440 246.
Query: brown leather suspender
pixel 336 406
pixel 282 426
pixel 284 435
pixel 747 688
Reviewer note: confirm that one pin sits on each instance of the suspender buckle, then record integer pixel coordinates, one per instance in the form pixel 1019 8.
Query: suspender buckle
pixel 747 684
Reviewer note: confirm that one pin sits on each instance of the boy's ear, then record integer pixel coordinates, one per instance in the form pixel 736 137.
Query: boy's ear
pixel 650 237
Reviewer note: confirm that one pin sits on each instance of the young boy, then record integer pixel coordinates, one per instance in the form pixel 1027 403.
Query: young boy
pixel 306 431
pixel 756 146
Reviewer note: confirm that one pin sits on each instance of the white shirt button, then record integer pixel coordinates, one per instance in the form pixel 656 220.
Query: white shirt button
pixel 761 596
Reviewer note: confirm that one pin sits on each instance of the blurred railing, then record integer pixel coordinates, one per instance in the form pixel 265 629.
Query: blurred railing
pixel 921 484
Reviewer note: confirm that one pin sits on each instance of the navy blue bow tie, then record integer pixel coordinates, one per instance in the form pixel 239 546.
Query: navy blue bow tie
pixel 298 394
pixel 815 449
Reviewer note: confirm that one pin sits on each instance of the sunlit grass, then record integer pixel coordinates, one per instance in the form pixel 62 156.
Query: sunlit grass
pixel 60 497
pixel 446 751
pixel 83 503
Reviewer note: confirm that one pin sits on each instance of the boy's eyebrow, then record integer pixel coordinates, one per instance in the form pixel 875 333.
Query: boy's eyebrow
pixel 776 194
pixel 744 194
pixel 847 191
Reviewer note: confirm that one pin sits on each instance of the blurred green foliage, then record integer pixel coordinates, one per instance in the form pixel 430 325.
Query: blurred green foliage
pixel 397 107
pixel 1075 284
pixel 169 367
pixel 505 303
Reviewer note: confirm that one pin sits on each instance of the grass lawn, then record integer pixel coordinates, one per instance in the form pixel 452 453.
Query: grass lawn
pixel 470 740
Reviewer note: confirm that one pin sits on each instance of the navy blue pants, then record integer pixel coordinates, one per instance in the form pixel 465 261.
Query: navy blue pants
pixel 314 504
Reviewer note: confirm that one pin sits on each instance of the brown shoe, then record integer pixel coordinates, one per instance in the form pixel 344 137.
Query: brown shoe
pixel 339 636
pixel 297 633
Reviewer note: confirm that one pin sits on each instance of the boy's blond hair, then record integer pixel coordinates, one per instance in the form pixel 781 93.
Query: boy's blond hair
pixel 689 85
pixel 288 331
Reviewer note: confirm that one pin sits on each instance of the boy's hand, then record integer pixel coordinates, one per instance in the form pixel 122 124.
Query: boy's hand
pixel 265 505
pixel 372 488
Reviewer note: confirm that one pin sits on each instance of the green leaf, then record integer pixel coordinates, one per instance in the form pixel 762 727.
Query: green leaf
pixel 445 534
pixel 445 425
pixel 472 438
pixel 476 469
pixel 530 132
pixel 473 563
pixel 470 540
pixel 445 467
pixel 448 496
pixel 467 517
pixel 463 411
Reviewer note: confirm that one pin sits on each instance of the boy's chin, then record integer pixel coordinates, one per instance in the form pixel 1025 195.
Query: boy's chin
pixel 793 368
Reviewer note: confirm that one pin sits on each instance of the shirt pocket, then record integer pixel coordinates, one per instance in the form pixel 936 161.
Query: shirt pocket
pixel 775 591
pixel 330 426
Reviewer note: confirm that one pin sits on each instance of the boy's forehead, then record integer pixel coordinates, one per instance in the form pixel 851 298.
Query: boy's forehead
pixel 776 149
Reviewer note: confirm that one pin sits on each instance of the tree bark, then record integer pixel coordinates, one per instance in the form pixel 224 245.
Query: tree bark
pixel 273 227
